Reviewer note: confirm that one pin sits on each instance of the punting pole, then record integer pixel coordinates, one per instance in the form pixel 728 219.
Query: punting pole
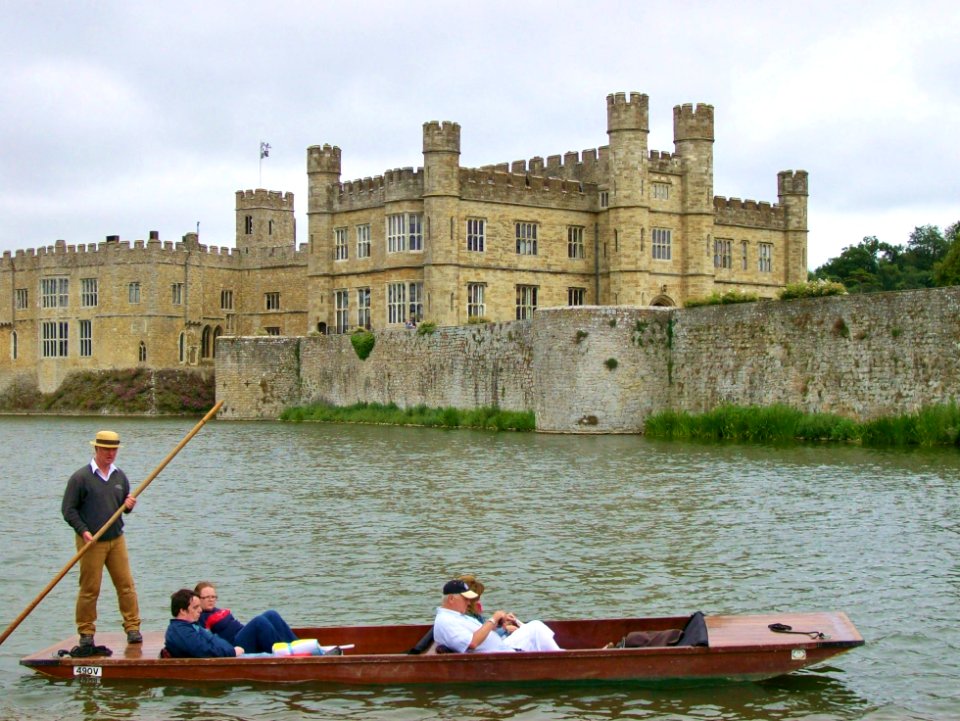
pixel 136 492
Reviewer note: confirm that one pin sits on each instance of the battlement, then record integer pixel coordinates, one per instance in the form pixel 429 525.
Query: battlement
pixel 693 122
pixel 664 162
pixel 441 137
pixel 261 199
pixel 493 183
pixel 631 113
pixel 749 213
pixel 61 257
pixel 790 182
pixel 397 184
pixel 588 166
pixel 323 159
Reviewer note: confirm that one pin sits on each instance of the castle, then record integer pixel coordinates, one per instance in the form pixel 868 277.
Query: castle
pixel 617 225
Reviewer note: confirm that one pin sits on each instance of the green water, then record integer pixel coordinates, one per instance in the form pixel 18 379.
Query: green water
pixel 359 524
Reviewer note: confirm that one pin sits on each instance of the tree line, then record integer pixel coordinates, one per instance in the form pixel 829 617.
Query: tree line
pixel 930 259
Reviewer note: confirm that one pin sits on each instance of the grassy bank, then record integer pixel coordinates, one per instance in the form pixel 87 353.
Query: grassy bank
pixel 932 426
pixel 132 391
pixel 484 418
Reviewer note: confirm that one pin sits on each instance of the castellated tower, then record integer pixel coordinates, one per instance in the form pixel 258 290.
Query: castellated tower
pixel 693 139
pixel 628 130
pixel 441 158
pixel 323 185
pixel 264 219
pixel 792 191
pixel 441 201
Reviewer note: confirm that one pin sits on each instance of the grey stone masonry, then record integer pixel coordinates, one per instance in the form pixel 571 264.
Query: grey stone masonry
pixel 606 369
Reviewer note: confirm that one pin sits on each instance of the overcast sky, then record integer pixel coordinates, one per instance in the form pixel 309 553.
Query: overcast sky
pixel 118 118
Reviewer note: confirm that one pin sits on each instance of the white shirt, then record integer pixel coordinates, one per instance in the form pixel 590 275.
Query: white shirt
pixel 96 470
pixel 455 631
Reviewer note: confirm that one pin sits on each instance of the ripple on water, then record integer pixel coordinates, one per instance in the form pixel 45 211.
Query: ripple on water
pixel 357 524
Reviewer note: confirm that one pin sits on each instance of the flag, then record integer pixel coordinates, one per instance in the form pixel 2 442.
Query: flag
pixel 264 150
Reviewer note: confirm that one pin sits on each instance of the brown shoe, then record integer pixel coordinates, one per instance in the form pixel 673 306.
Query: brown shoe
pixel 134 637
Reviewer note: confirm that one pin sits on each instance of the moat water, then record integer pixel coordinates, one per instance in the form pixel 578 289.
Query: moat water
pixel 357 524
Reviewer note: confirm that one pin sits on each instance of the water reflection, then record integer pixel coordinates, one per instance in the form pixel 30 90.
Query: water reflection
pixel 359 524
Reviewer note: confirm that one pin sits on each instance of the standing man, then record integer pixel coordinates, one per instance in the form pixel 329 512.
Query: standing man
pixel 93 495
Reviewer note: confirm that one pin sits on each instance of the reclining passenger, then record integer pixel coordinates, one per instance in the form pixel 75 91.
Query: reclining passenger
pixel 185 638
pixel 256 636
pixel 457 631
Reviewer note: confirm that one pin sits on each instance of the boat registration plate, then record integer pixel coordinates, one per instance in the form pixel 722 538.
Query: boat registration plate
pixel 91 671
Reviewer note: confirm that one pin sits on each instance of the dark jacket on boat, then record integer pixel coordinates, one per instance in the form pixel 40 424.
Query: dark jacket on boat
pixel 188 640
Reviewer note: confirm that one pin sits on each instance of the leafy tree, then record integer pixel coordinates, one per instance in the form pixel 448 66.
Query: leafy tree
pixel 858 267
pixel 947 271
pixel 874 266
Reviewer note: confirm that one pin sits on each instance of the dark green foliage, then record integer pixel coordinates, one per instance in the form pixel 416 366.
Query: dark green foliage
pixel 489 418
pixel 947 271
pixel 120 392
pixel 874 266
pixel 427 328
pixel 932 426
pixel 727 298
pixel 581 334
pixel 363 341
pixel 611 363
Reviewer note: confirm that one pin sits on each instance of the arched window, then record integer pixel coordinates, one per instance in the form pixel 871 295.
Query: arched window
pixel 13 345
pixel 205 342
pixel 218 331
pixel 143 352
pixel 182 347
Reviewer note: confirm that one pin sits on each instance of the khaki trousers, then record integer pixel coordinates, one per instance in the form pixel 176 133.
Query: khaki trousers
pixel 113 555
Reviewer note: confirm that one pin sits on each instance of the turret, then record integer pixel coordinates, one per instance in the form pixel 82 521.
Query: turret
pixel 693 139
pixel 628 127
pixel 441 158
pixel 323 176
pixel 264 219
pixel 792 191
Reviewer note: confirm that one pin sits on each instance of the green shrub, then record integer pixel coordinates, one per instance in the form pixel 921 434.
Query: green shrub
pixel 932 426
pixel 581 334
pixel 363 341
pixel 611 363
pixel 728 298
pixel 474 320
pixel 490 418
pixel 812 289
pixel 427 328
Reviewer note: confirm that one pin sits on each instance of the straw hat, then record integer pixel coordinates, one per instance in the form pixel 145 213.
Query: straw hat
pixel 106 439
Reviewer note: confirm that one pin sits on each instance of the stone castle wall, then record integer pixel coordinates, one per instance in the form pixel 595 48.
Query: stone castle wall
pixel 604 370
pixel 464 367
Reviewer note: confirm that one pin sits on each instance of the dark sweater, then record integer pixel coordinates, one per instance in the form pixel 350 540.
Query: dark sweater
pixel 188 640
pixel 221 622
pixel 88 501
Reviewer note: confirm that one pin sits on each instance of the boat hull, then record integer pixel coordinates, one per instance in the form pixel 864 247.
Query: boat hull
pixel 741 648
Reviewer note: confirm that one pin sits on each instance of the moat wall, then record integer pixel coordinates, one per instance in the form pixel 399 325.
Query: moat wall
pixel 606 369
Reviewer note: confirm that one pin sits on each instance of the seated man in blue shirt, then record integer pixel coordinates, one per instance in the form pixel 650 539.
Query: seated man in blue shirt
pixel 459 632
pixel 186 639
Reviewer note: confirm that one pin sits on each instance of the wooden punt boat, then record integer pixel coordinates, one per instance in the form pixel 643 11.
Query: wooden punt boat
pixel 739 648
